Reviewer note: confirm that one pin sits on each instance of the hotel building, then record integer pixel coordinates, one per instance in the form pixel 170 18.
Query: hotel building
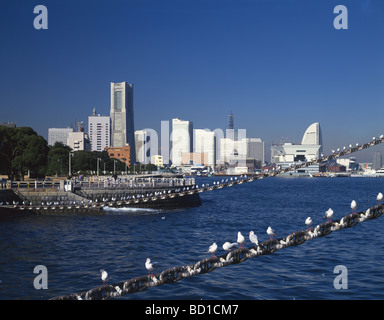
pixel 122 122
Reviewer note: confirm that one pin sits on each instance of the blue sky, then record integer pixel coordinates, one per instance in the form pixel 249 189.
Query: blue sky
pixel 279 65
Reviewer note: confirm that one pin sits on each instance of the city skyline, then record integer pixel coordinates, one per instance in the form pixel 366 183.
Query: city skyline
pixel 277 68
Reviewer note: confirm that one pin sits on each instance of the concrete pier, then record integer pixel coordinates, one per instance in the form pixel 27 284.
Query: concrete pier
pixel 68 197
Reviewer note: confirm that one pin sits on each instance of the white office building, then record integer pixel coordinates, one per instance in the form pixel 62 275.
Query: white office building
pixel 99 130
pixel 204 142
pixel 255 149
pixel 78 141
pixel 142 143
pixel 181 139
pixel 58 135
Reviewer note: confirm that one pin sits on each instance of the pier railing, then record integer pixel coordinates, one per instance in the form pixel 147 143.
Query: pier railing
pixel 136 183
pixel 128 183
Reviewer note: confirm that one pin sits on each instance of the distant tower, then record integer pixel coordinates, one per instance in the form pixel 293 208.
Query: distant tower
pixel 122 124
pixel 231 132
pixel 230 121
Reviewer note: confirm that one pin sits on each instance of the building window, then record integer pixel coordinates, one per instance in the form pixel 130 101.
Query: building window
pixel 118 100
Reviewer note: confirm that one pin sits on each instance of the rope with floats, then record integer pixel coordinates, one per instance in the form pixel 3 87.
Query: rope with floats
pixel 236 256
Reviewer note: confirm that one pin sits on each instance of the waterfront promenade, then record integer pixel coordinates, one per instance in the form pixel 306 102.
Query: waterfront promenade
pixel 92 194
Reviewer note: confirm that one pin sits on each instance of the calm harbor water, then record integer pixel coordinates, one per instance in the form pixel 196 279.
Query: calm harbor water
pixel 75 248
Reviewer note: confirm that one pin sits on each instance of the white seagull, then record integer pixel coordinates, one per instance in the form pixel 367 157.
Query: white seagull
pixel 379 197
pixel 227 246
pixel 150 266
pixel 253 237
pixel 104 275
pixel 240 239
pixel 308 222
pixel 271 233
pixel 353 206
pixel 212 249
pixel 328 214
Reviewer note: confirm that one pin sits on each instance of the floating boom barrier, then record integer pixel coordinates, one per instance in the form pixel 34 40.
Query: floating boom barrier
pixel 236 256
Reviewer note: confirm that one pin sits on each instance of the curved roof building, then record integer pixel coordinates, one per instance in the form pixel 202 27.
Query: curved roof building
pixel 312 135
pixel 309 149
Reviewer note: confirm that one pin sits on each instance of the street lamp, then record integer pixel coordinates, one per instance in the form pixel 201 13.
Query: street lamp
pixel 69 163
pixel 98 159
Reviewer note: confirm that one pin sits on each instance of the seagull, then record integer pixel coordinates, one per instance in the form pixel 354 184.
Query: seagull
pixel 212 249
pixel 240 239
pixel 253 238
pixel 308 222
pixel 271 233
pixel 104 276
pixel 328 214
pixel 227 246
pixel 150 266
pixel 353 206
pixel 379 198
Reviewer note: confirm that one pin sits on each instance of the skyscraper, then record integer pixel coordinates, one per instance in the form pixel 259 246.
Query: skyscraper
pixel 122 123
pixel 99 129
pixel 142 142
pixel 182 139
pixel 204 142
pixel 377 160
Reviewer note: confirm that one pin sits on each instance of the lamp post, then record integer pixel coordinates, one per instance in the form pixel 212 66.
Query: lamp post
pixel 98 159
pixel 69 163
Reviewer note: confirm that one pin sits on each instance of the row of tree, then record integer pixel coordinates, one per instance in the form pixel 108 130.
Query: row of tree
pixel 24 152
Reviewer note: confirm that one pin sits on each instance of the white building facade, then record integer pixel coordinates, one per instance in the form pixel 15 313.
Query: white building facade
pixel 99 130
pixel 58 135
pixel 78 141
pixel 181 139
pixel 309 149
pixel 204 142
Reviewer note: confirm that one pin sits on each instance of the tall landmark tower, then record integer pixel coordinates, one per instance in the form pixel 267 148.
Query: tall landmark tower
pixel 122 124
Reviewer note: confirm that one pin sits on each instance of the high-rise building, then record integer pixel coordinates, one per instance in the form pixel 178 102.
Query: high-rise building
pixel 204 143
pixel 255 149
pixel 230 121
pixel 58 135
pixel 99 129
pixel 142 139
pixel 377 160
pixel 181 138
pixel 122 123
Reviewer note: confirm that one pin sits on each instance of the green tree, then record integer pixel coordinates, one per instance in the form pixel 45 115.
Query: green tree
pixel 58 157
pixel 21 149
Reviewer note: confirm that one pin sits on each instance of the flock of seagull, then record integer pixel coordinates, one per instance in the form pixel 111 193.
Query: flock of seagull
pixel 241 241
